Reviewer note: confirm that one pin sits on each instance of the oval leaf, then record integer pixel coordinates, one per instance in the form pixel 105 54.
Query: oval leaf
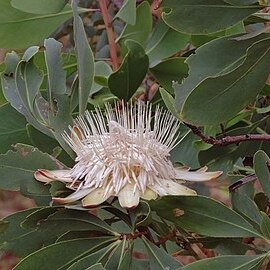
pixel 17 168
pixel 159 259
pixel 164 42
pixel 94 257
pixel 207 63
pixel 141 29
pixel 128 12
pixel 39 6
pixel 265 225
pixel 55 72
pixel 261 166
pixel 204 216
pixel 66 252
pixel 125 81
pixel 28 28
pixel 225 95
pixel 227 263
pixel 204 16
pixel 12 128
pixel 170 71
pixel 86 68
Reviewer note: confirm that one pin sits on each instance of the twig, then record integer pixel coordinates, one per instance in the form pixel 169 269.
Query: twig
pixel 241 182
pixel 155 8
pixel 165 238
pixel 132 236
pixel 144 231
pixel 228 139
pixel 110 33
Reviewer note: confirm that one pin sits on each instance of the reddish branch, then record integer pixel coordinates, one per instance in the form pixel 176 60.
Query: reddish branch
pixel 167 237
pixel 144 231
pixel 228 139
pixel 132 236
pixel 155 8
pixel 110 33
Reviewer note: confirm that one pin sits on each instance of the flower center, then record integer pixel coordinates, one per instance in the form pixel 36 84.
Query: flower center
pixel 117 149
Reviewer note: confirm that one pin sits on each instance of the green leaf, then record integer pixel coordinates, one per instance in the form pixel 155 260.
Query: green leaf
pixel 68 62
pixel 204 216
pixel 11 90
pixel 263 110
pixel 102 72
pixel 159 259
pixel 170 71
pixel 59 189
pixel 61 120
pixel 140 31
pixel 2 97
pixel 103 96
pixel 168 100
pixel 12 223
pixel 94 257
pixel 127 12
pixel 265 225
pixel 261 161
pixel 56 74
pixel 199 40
pixel 125 81
pixel 164 42
pixel 261 201
pixel 39 6
pixel 85 60
pixel 12 128
pixel 26 244
pixel 72 220
pixel 23 241
pixel 204 16
pixel 28 79
pixel 246 207
pixel 141 215
pixel 28 28
pixel 238 28
pixel 97 266
pixel 35 219
pixel 127 260
pixel 226 246
pixel 184 152
pixel 116 257
pixel 214 59
pixel 33 229
pixel 59 114
pixel 117 213
pixel 17 169
pixel 30 53
pixel 220 94
pixel 241 2
pixel 3 226
pixel 227 263
pixel 43 142
pixel 66 252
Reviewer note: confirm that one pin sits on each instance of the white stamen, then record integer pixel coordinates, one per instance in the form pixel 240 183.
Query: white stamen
pixel 122 144
pixel 123 150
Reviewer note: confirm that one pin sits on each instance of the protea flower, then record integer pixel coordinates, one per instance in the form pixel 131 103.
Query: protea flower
pixel 124 152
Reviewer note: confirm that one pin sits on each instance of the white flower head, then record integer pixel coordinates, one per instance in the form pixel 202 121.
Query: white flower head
pixel 124 152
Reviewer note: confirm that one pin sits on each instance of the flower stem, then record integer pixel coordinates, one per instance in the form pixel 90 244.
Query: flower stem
pixel 110 33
